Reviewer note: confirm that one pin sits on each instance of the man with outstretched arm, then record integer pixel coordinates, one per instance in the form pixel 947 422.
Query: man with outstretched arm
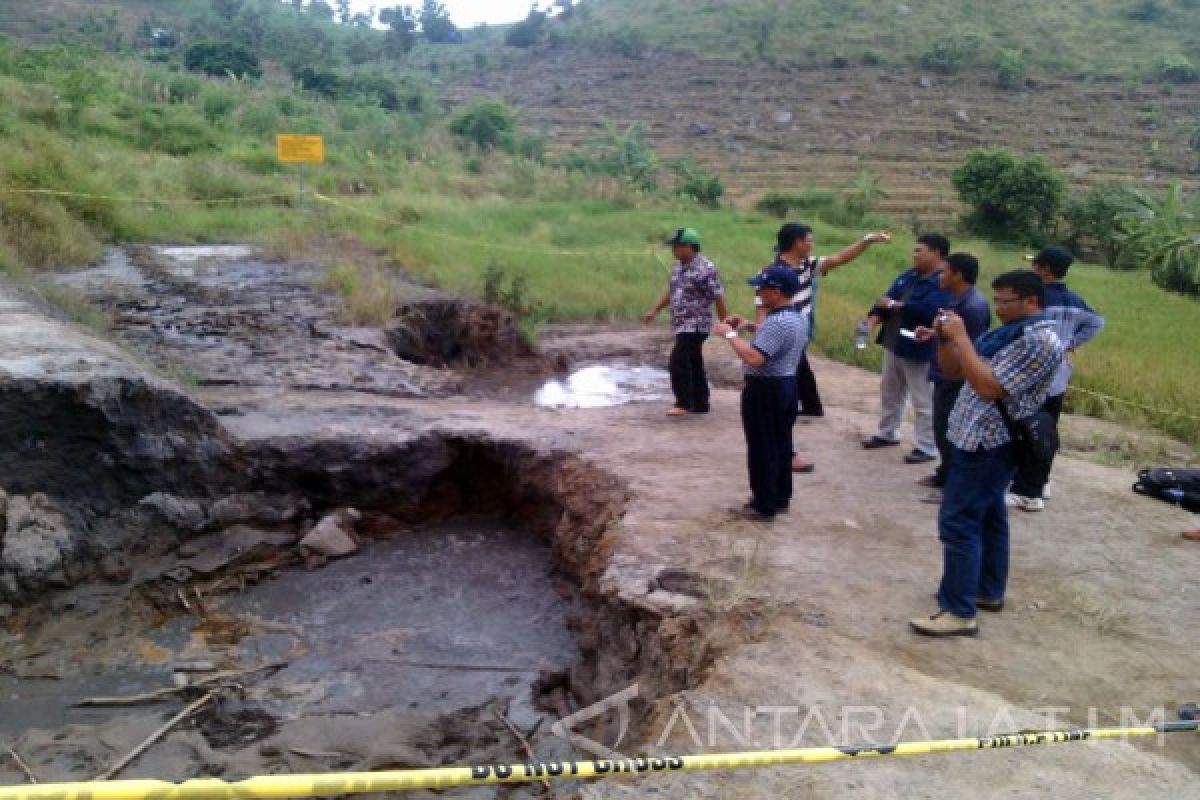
pixel 793 249
pixel 1015 365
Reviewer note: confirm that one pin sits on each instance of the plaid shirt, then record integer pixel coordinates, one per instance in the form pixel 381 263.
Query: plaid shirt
pixel 695 286
pixel 1025 368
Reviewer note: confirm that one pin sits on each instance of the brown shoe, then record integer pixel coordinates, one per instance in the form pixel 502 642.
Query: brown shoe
pixel 984 604
pixel 944 623
pixel 750 513
pixel 1192 536
pixel 800 465
pixel 676 411
pixel 933 498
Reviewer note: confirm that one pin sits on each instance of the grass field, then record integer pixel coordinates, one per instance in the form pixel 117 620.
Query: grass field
pixel 596 260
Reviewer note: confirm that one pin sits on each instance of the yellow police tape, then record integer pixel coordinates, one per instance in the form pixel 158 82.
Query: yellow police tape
pixel 326 785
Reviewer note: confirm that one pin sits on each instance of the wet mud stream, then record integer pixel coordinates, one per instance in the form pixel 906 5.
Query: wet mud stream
pixel 435 620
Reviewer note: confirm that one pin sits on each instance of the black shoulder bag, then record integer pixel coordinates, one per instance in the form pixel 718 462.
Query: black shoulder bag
pixel 1035 438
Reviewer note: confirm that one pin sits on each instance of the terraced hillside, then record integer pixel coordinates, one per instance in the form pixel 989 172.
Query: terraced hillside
pixel 773 127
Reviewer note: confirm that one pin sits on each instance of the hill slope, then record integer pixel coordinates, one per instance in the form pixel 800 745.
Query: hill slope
pixel 1105 37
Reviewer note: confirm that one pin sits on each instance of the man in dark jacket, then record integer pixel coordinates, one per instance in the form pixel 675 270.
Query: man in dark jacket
pixel 912 302
pixel 1076 324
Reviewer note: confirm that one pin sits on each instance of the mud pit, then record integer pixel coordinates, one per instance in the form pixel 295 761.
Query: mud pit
pixel 697 611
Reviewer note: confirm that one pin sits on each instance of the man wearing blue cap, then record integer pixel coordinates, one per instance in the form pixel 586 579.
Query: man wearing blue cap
pixel 769 394
pixel 694 288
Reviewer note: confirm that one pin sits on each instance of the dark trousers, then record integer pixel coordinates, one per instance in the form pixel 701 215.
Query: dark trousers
pixel 973 529
pixel 945 393
pixel 686 365
pixel 1031 481
pixel 806 389
pixel 768 414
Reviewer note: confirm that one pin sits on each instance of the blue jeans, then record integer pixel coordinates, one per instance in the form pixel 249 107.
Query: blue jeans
pixel 973 528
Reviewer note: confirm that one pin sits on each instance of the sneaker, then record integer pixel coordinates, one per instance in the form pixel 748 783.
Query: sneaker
pixel 944 623
pixel 1046 493
pixel 931 482
pixel 875 442
pixel 1024 503
pixel 919 457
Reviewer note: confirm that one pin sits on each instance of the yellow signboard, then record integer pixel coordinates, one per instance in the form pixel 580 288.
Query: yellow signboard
pixel 299 148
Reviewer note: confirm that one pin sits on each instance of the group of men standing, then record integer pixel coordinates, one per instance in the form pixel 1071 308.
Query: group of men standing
pixel 933 325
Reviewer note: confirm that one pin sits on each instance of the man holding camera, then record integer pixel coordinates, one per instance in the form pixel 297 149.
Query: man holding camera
pixel 1015 365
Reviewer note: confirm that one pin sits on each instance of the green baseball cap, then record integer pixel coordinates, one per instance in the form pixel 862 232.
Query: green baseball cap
pixel 685 236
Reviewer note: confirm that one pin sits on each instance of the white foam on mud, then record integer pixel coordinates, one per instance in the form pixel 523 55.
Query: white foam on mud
pixel 604 387
pixel 214 252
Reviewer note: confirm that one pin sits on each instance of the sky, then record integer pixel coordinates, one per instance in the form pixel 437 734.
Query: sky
pixel 464 13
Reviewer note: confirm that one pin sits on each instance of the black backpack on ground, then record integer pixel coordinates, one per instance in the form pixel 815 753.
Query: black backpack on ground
pixel 1178 486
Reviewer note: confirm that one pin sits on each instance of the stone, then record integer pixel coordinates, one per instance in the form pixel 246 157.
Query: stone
pixel 115 568
pixel 256 507
pixel 962 116
pixel 334 535
pixel 36 543
pixel 178 512
pixel 782 117
pixel 925 82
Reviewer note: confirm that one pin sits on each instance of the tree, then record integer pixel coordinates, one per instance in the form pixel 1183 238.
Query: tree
pixel 528 31
pixel 1163 234
pixel 436 23
pixel 222 58
pixel 227 9
pixel 321 10
pixel 1094 221
pixel 344 12
pixel 488 124
pixel 1011 197
pixel 401 36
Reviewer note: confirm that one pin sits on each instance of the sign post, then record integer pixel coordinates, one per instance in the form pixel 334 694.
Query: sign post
pixel 299 148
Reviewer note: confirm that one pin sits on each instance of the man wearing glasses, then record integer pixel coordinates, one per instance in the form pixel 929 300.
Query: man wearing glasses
pixel 1014 364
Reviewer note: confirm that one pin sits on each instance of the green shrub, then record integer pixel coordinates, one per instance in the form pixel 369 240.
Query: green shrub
pixel 528 31
pixel 176 130
pixel 947 55
pixel 218 105
pixel 629 42
pixel 1175 68
pixel 184 88
pixel 1011 197
pixel 1147 11
pixel 1011 69
pixel 693 182
pixel 222 58
pixel 488 124
pixel 261 119
pixel 42 233
pixel 1093 221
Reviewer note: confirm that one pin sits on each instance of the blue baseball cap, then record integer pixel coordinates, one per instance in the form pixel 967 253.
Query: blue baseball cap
pixel 780 278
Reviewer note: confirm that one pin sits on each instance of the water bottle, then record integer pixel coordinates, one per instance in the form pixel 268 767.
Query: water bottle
pixel 862 332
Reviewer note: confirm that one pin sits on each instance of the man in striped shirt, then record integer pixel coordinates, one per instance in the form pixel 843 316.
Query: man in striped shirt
pixel 769 393
pixel 793 248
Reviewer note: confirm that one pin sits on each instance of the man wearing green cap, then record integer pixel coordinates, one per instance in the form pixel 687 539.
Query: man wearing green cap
pixel 694 287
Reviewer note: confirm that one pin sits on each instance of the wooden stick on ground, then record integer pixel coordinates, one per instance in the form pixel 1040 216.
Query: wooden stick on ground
pixel 20 762
pixel 219 679
pixel 158 734
pixel 520 738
